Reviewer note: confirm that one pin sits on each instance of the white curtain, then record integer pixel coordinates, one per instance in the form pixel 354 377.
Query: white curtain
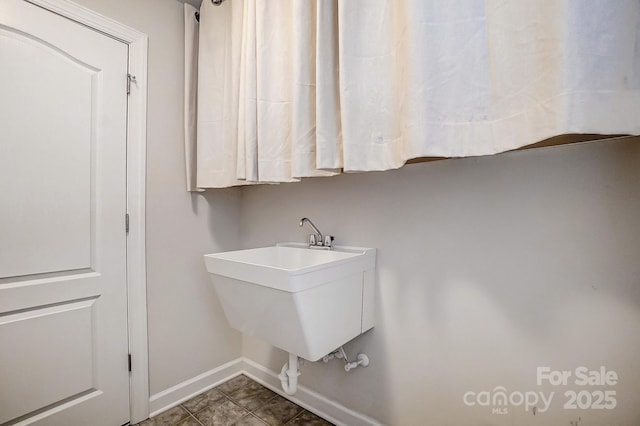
pixel 290 89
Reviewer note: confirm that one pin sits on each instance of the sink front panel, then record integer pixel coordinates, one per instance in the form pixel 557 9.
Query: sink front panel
pixel 309 323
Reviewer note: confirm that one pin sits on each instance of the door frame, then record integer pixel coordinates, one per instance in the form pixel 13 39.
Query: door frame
pixel 136 181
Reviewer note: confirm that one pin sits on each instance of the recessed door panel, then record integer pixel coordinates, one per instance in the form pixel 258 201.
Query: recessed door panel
pixel 59 335
pixel 47 161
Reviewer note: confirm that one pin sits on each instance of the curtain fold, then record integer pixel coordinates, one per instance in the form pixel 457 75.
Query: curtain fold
pixel 290 89
pixel 191 30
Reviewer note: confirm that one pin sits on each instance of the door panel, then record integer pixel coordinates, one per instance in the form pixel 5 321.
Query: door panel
pixel 60 334
pixel 59 236
pixel 63 295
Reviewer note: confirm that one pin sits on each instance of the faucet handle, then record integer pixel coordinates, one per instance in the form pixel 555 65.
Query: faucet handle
pixel 313 240
pixel 328 241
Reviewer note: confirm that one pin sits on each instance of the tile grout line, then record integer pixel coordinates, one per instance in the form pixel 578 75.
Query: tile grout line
pixel 195 418
pixel 194 414
pixel 265 403
pixel 190 414
pixel 295 417
pixel 226 396
pixel 261 420
pixel 234 402
pixel 252 412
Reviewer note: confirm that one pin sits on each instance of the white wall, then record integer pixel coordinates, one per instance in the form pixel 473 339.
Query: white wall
pixel 188 334
pixel 487 269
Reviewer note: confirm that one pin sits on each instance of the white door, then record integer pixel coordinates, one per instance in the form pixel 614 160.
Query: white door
pixel 63 295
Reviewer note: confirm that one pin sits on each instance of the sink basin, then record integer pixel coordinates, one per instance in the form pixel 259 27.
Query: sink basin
pixel 305 301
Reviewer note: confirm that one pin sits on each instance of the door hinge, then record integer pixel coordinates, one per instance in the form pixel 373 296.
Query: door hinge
pixel 130 79
pixel 126 222
pixel 129 363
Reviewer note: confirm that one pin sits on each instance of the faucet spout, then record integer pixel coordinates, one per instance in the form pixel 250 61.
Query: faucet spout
pixel 317 231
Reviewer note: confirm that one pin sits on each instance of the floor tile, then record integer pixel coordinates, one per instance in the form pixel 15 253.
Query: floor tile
pixel 307 418
pixel 234 384
pixel 223 414
pixel 189 421
pixel 278 411
pixel 208 398
pixel 252 396
pixel 250 420
pixel 230 404
pixel 168 418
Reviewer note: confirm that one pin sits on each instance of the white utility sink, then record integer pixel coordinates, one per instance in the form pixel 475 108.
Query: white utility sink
pixel 305 301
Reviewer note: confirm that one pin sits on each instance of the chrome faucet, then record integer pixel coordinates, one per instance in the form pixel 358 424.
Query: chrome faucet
pixel 317 240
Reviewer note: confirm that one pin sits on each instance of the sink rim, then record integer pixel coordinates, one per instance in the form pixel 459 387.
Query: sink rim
pixel 314 257
pixel 291 279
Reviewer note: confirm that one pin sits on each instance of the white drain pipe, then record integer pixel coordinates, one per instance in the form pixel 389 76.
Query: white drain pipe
pixel 289 375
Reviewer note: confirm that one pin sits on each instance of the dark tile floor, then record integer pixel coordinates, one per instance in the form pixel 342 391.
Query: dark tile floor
pixel 238 402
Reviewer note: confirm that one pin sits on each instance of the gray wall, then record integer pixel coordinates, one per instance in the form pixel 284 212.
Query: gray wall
pixel 188 333
pixel 487 269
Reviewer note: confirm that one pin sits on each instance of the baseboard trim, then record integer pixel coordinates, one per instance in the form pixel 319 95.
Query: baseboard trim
pixel 305 397
pixel 308 399
pixel 186 390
